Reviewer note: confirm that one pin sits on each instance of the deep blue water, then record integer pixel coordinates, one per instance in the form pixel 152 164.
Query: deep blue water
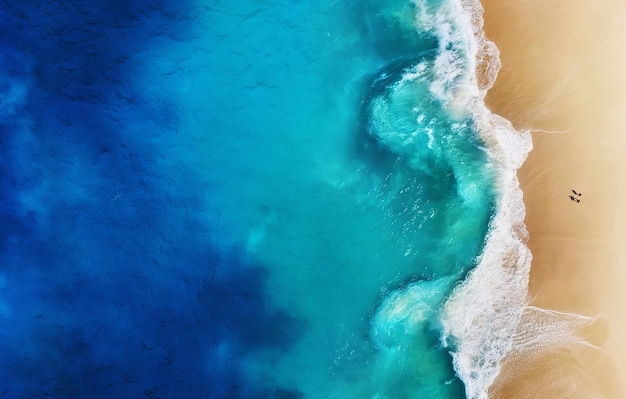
pixel 211 199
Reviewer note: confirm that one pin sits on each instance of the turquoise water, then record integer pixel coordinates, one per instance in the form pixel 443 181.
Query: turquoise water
pixel 361 192
pixel 239 199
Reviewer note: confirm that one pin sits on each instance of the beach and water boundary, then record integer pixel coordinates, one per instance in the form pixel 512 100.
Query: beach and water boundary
pixel 327 207
pixel 562 78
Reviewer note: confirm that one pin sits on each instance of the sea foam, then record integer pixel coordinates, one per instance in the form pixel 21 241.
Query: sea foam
pixel 487 316
pixel 482 314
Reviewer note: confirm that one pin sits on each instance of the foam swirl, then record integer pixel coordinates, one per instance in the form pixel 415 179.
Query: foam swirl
pixel 481 315
pixel 488 316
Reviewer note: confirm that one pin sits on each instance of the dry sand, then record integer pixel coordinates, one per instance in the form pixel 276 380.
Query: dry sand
pixel 563 68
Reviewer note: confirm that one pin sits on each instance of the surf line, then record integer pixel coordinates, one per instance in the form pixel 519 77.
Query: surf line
pixel 485 314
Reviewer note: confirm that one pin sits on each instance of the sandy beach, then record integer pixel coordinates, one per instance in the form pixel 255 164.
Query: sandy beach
pixel 562 77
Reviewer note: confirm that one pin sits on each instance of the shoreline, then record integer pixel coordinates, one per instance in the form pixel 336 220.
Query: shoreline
pixel 562 73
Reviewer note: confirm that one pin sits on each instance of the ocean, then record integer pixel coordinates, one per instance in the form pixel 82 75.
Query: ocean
pixel 255 199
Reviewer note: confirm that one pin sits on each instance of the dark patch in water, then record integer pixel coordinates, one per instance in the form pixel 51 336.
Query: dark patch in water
pixel 118 279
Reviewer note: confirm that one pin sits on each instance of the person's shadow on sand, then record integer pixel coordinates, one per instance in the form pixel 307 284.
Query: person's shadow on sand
pixel 577 198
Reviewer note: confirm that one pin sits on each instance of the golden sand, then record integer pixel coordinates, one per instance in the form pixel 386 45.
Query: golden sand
pixel 563 68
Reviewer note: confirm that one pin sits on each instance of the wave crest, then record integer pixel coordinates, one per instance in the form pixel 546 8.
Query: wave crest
pixel 487 316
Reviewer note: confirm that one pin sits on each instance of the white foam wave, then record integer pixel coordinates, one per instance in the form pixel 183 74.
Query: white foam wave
pixel 486 316
pixel 467 63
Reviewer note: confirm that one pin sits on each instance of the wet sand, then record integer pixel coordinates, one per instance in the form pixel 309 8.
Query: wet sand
pixel 562 77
